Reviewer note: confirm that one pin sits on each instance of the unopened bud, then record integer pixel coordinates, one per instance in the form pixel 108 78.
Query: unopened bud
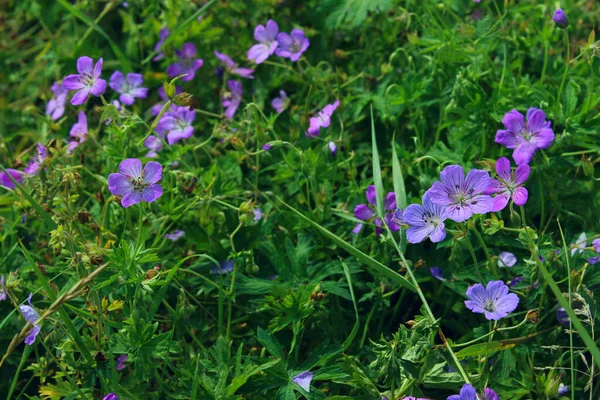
pixel 532 316
pixel 169 89
pixel 588 168
pixel 184 99
pixel 151 273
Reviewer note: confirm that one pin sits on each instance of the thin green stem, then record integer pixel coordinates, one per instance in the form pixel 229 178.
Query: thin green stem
pixel 472 251
pixel 568 59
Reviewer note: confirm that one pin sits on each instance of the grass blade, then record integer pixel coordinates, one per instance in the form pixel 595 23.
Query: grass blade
pixel 375 267
pixel 399 188
pixel 377 181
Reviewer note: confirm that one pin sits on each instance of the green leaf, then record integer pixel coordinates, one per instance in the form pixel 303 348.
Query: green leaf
pixel 352 13
pixel 484 348
pixel 377 170
pixel 399 188
pixel 270 343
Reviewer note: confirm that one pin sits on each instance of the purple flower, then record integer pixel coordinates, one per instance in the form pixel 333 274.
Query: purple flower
pixel 322 119
pixel 86 82
pixel 560 18
pixel 34 165
pixel 425 221
pixel 489 394
pixel 332 147
pixel 303 380
pixel 561 316
pixel 462 196
pixel 515 281
pixel 293 45
pixel 223 268
pixel 231 99
pixel 493 300
pixel 15 174
pixel 562 389
pixel 232 67
pixel 188 63
pixel 467 392
pixel 596 244
pixel 110 396
pixel 507 186
pixel 593 260
pixel 280 103
pixel 176 124
pixel 436 272
pixel 525 138
pixel 267 146
pixel 175 235
pixel 267 39
pixel 32 317
pixel 579 245
pixel 367 212
pixel 506 259
pixel 406 398
pixel 135 184
pixel 121 362
pixel 117 105
pixel 79 132
pixel 398 217
pixel 128 87
pixel 2 290
pixel 164 34
pixel 257 214
pixel 56 106
pixel 154 144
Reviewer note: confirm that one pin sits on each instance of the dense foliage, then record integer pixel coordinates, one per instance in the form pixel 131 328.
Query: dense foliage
pixel 194 207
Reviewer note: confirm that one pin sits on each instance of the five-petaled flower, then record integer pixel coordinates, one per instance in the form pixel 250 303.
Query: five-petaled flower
pixel 462 196
pixel 79 132
pixel 128 86
pixel 267 37
pixel 231 99
pixel 292 45
pixel 232 67
pixel 154 144
pixel 188 63
pixel 508 185
pixel 280 103
pixel 36 161
pixel 493 300
pixel 506 259
pixel 468 392
pixel 56 105
pixel 525 138
pixel 322 119
pixel 367 212
pixel 303 380
pixel 176 124
pixel 87 81
pixel 425 221
pixel 5 180
pixel 136 184
pixel 32 317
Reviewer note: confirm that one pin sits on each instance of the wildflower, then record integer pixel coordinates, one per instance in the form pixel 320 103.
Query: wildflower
pixel 398 217
pixel 231 99
pixel 2 290
pixel 506 259
pixel 128 87
pixel 303 380
pixel 188 63
pixel 155 110
pixel 596 244
pixel 267 146
pixel 176 124
pixel 223 268
pixel 135 184
pixel 366 212
pixel 525 138
pixel 507 186
pixel 175 235
pixel 87 81
pixel 332 148
pixel 280 103
pixel 293 45
pixel 562 389
pixel 79 132
pixel 15 174
pixel 462 196
pixel 493 300
pixel 267 37
pixel 110 396
pixel 489 394
pixel 425 221
pixel 232 67
pixel 257 214
pixel 56 106
pixel 32 317
pixel 579 245
pixel 34 165
pixel 561 316
pixel 436 272
pixel 154 144
pixel 121 362
pixel 117 105
pixel 467 392
pixel 322 119
pixel 164 34
pixel 593 260
pixel 560 18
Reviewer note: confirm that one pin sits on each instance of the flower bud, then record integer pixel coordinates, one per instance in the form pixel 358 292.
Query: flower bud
pixel 169 89
pixel 560 18
pixel 532 316
pixel 184 99
pixel 271 145
pixel 515 218
pixel 151 273
pixel 237 143
pixel 588 168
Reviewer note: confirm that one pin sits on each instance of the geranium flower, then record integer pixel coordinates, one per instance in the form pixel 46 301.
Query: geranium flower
pixel 493 300
pixel 506 186
pixel 293 45
pixel 303 380
pixel 223 268
pixel 32 317
pixel 16 175
pixel 468 392
pixel 175 235
pixel 280 103
pixel 87 81
pixel 188 63
pixel 367 212
pixel 436 272
pixel 231 99
pixel 121 362
pixel 136 184
pixel 267 37
pixel 322 119
pixel 164 34
pixel 34 165
pixel 525 138
pixel 506 259
pixel 232 67
pixel 2 290
pixel 128 87
pixel 425 221
pixel 176 124
pixel 560 18
pixel 55 107
pixel 79 132
pixel 154 144
pixel 332 147
pixel 579 245
pixel 111 396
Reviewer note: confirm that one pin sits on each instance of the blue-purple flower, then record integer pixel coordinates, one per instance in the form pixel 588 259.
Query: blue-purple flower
pixel 55 107
pixel 579 245
pixel 36 161
pixel 507 186
pixel 154 144
pixel 15 174
pixel 2 290
pixel 367 212
pixel 232 67
pixel 506 259
pixel 121 360
pixel 164 34
pixel 322 119
pixel 560 18
pixel 493 300
pixel 175 235
pixel 462 196
pixel 79 132
pixel 31 316
pixel 562 389
pixel 332 147
pixel 525 138
pixel 303 380
pixel 111 396
pixel 176 124
pixel 223 268
pixel 436 272
pixel 425 221
pixel 561 316
pixel 292 45
pixel 231 99
pixel 280 103
pixel 136 184
pixel 267 38
pixel 188 63
pixel 257 214
pixel 87 81
pixel 128 87
pixel 468 392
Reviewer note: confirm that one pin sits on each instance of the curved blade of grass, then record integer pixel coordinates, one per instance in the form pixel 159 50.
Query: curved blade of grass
pixel 399 188
pixel 377 181
pixel 179 29
pixel 24 357
pixel 89 22
pixel 375 267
